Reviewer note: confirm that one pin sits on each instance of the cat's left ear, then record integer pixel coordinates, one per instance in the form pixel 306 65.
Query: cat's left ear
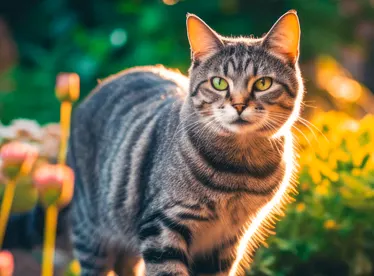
pixel 283 39
pixel 203 40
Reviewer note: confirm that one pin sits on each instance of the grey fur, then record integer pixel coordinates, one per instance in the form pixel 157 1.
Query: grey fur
pixel 158 176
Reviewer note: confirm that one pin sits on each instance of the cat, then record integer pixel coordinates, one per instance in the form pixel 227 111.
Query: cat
pixel 182 173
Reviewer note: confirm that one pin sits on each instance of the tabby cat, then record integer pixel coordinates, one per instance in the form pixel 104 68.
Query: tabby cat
pixel 186 173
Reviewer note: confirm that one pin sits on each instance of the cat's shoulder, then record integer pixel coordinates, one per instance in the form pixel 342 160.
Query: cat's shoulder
pixel 142 79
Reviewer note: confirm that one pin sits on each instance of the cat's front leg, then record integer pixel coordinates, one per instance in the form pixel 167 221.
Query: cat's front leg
pixel 164 246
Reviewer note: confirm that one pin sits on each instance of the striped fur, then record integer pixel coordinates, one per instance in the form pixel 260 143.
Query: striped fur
pixel 163 171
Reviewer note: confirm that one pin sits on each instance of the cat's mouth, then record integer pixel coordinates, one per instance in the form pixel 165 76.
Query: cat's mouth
pixel 240 121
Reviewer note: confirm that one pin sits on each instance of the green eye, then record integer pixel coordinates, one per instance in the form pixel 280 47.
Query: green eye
pixel 263 84
pixel 219 83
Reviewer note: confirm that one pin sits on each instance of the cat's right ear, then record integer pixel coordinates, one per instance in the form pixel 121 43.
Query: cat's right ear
pixel 203 40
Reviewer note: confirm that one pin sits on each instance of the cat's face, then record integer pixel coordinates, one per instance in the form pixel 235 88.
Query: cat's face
pixel 241 85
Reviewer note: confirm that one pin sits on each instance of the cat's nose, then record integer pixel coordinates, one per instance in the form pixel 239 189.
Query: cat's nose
pixel 239 108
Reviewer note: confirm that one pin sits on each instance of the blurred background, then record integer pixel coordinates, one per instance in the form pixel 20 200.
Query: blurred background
pixel 329 230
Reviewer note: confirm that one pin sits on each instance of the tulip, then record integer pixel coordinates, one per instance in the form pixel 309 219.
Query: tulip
pixel 55 184
pixel 67 87
pixel 6 263
pixel 14 154
pixel 17 161
pixel 67 91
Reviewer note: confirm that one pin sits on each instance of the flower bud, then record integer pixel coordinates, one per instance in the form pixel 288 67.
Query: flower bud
pixel 74 269
pixel 55 184
pixel 13 155
pixel 67 87
pixel 6 263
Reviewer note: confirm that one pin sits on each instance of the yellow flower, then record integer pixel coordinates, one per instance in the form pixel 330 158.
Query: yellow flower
pixel 300 207
pixel 356 172
pixel 315 174
pixel 322 190
pixel 330 224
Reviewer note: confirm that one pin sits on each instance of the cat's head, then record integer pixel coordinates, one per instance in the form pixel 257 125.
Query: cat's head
pixel 241 85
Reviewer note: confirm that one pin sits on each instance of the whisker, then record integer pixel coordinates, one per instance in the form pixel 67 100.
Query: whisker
pixel 316 128
pixel 295 127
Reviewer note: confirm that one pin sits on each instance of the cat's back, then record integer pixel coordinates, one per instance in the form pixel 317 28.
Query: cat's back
pixel 129 88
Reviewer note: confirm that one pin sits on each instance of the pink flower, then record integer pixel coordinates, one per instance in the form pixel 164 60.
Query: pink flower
pixel 13 154
pixel 16 152
pixel 55 184
pixel 6 263
pixel 67 87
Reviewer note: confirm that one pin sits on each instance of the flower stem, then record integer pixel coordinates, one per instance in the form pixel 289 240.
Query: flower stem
pixel 49 240
pixel 6 205
pixel 8 196
pixel 65 113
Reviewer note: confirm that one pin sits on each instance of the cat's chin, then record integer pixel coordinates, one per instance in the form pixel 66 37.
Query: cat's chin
pixel 239 127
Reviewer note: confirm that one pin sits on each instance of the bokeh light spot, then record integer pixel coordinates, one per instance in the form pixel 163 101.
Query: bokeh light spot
pixel 118 37
pixel 170 2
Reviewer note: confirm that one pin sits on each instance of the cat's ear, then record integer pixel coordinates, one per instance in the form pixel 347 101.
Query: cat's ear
pixel 203 40
pixel 284 37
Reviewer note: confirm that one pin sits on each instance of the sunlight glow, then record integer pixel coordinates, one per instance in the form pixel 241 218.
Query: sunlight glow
pixel 263 221
pixel 285 129
pixel 333 78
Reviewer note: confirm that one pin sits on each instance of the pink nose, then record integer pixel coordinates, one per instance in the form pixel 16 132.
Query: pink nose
pixel 239 108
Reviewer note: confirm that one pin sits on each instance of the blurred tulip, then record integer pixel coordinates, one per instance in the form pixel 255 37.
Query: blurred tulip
pixel 67 87
pixel 67 91
pixel 55 184
pixel 13 154
pixel 6 263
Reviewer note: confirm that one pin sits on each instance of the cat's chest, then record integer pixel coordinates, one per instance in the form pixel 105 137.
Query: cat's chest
pixel 233 216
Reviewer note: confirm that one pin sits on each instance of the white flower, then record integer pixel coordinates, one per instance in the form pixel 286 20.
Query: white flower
pixel 50 142
pixel 25 128
pixel 52 129
pixel 7 133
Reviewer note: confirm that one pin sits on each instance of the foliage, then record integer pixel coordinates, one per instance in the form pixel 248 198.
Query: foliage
pixel 330 225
